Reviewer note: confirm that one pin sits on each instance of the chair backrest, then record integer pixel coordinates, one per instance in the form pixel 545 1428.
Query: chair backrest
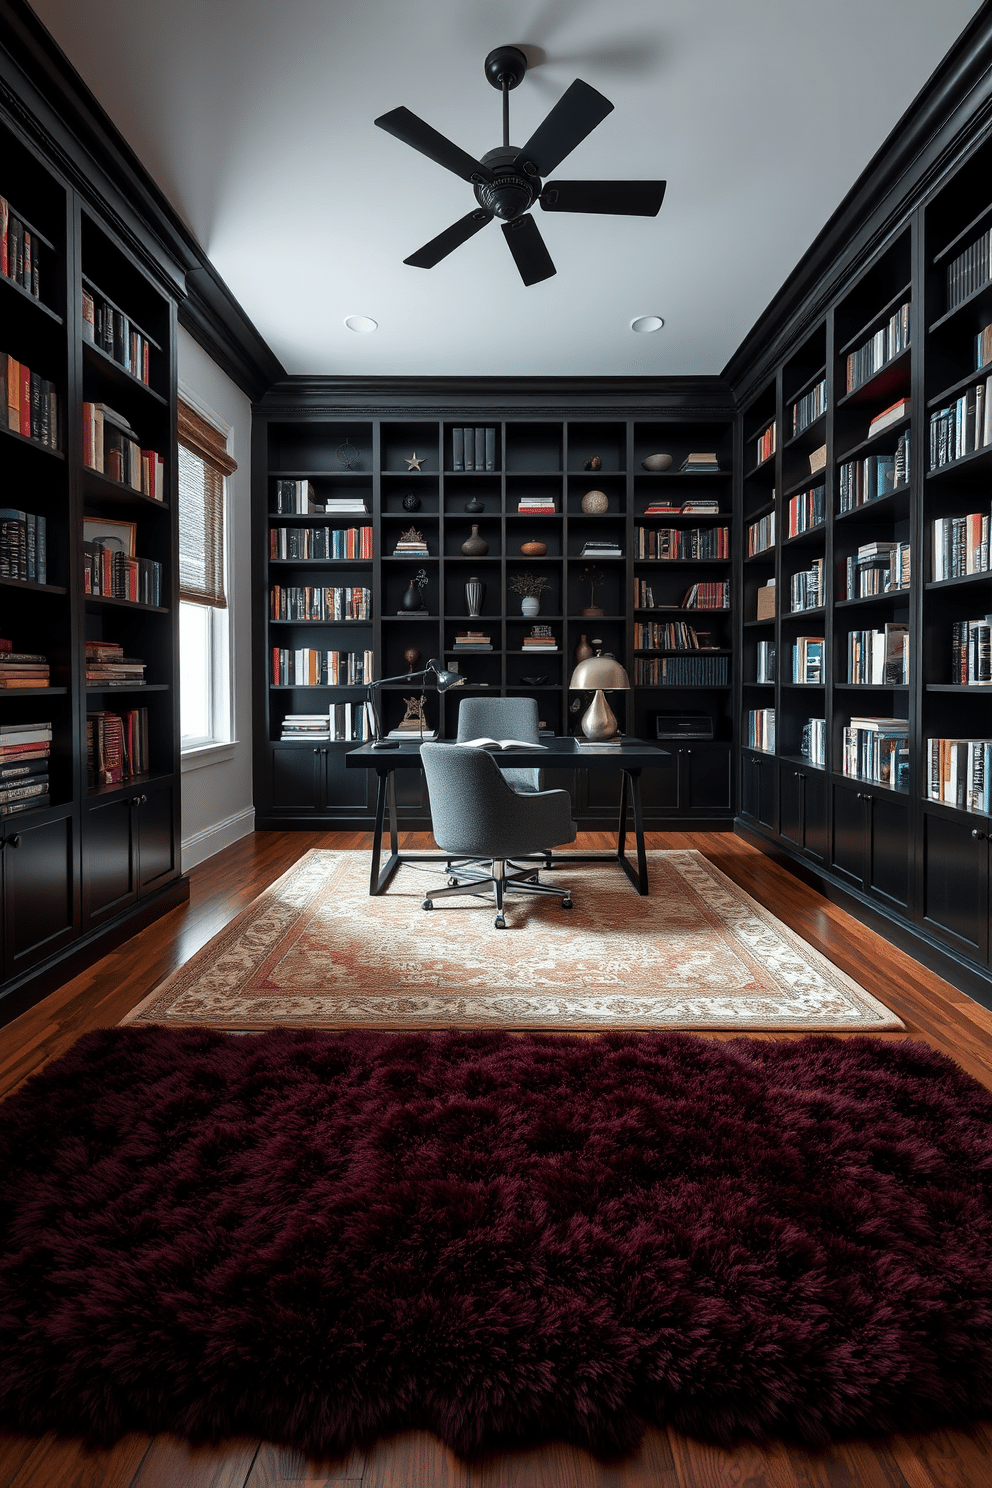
pixel 499 718
pixel 475 813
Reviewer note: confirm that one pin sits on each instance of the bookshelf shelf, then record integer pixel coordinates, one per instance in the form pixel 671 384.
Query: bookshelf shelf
pixel 32 587
pixel 11 286
pixel 124 604
pixel 20 692
pixel 115 373
pixel 35 444
pixel 100 487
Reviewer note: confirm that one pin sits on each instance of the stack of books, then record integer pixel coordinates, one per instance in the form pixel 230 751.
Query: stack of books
pixel 305 727
pixel 697 462
pixel 703 505
pixel 342 721
pixel 20 669
pixel 540 643
pixel 111 447
pixel 536 506
pixel 472 640
pixel 597 548
pixel 24 751
pixel 662 509
pixel 28 403
pixel 107 666
pixel 342 506
pixel 410 545
pixel 23 546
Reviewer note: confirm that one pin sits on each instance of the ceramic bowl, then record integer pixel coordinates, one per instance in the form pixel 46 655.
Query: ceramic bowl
pixel 533 549
pixel 657 462
pixel 533 681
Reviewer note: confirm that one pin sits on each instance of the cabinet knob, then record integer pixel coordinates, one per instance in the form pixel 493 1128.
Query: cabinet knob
pixel 316 751
pixel 142 800
pixel 795 774
pixel 978 836
pixel 135 800
pixel 12 842
pixel 861 795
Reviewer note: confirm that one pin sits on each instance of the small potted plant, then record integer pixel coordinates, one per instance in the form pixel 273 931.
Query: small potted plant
pixel 530 587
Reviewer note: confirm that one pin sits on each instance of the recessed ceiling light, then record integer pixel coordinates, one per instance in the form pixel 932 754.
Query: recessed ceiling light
pixel 363 324
pixel 645 323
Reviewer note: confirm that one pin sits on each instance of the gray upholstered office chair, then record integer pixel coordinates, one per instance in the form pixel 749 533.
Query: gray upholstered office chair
pixel 477 816
pixel 503 718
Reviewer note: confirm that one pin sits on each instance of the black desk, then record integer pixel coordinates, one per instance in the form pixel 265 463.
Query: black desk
pixel 631 758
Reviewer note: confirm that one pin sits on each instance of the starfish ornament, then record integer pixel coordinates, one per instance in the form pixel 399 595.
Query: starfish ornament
pixel 414 462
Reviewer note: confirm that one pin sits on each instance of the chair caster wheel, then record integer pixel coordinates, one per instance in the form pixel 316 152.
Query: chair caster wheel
pixel 499 922
pixel 452 881
pixel 566 904
pixel 427 904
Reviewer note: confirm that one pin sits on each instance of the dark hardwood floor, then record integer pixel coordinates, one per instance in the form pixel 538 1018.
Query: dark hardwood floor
pixel 931 1009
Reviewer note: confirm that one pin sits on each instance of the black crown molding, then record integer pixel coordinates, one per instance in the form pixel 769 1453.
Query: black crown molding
pixel 504 397
pixel 941 124
pixel 57 113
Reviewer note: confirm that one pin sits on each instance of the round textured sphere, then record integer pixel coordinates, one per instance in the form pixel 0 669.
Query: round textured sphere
pixel 657 462
pixel 411 502
pixel 533 549
pixel 411 656
pixel 594 503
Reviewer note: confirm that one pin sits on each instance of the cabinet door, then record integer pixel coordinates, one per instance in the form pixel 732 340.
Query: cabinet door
pixel 706 777
pixel 889 849
pixel 956 884
pixel 758 789
pixel 344 789
pixel 297 778
pixel 109 861
pixel 815 813
pixel 849 834
pixel 790 805
pixel 156 839
pixel 41 908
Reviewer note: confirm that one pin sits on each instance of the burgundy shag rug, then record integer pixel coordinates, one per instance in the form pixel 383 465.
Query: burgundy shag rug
pixel 322 1237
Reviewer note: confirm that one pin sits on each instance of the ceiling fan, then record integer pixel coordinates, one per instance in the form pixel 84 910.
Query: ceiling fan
pixel 508 181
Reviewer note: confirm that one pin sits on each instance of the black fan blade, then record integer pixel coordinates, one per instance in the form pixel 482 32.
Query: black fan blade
pixel 622 198
pixel 452 237
pixel 576 114
pixel 529 253
pixel 405 126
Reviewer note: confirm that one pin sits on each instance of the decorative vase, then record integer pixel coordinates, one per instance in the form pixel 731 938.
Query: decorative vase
pixel 593 463
pixel 411 502
pixel 475 546
pixel 475 505
pixel 474 593
pixel 656 462
pixel 533 549
pixel 594 503
pixel 530 605
pixel 583 650
pixel 412 599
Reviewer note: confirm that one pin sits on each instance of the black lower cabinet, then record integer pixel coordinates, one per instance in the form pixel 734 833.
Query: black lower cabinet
pixel 803 809
pixel 759 779
pixel 871 842
pixel 129 848
pixel 955 891
pixel 40 899
pixel 307 780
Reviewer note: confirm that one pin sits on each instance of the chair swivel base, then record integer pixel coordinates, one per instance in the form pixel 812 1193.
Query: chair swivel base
pixel 465 880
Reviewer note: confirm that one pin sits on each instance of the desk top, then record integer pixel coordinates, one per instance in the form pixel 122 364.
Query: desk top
pixel 558 753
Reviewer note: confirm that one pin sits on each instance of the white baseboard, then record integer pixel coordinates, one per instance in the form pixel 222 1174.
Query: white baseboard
pixel 213 839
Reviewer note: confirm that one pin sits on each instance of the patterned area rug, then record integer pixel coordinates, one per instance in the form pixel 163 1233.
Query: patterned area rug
pixel 316 951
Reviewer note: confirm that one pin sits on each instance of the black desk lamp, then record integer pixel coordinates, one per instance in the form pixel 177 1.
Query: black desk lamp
pixel 443 680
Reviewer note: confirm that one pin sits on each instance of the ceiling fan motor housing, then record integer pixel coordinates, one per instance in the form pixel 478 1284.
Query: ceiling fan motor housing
pixel 511 193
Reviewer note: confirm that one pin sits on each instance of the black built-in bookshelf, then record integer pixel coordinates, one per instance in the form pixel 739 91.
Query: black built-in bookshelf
pixel 537 457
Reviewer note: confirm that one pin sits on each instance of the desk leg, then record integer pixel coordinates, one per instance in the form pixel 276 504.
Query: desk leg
pixel 631 789
pixel 385 795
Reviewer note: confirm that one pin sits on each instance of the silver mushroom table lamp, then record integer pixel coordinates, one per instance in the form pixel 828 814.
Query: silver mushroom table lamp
pixel 601 674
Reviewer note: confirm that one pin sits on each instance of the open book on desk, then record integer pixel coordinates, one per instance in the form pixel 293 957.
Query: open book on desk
pixel 499 744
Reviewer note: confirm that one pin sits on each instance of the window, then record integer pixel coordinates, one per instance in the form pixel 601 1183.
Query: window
pixel 204 465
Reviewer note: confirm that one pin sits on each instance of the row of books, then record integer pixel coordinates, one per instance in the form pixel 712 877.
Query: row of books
pixel 877 568
pixel 681 671
pixel 473 449
pixel 21 669
pixel 306 667
pixel 813 745
pixel 806 511
pixel 19 257
pixel 765 662
pixel 811 406
pixel 963 427
pixel 807 661
pixel 761 535
pixel 107 666
pixel 761 729
pixel 111 447
pixel 806 590
pixel 879 658
pixel 970 270
pixel 670 635
pixel 864 480
pixel 320 543
pixel 302 602
pixel 23 546
pixel 342 722
pixel 877 750
pixel 713 595
pixel 115 575
pixel 971 652
pixel 983 348
pixel 297 497
pixel 682 542
pixel 117 746
pixel 29 404
pixel 959 773
pixel 765 444
pixel 24 752
pixel 961 546
pixel 889 341
pixel 114 332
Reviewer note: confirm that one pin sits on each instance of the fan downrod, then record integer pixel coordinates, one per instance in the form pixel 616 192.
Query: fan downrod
pixel 505 62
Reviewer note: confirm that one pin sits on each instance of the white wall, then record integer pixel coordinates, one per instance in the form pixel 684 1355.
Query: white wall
pixel 217 793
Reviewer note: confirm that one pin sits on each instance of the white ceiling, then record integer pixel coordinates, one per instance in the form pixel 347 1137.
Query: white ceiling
pixel 255 118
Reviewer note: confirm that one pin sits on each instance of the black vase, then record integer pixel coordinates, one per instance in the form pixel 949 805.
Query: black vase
pixel 475 505
pixel 412 599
